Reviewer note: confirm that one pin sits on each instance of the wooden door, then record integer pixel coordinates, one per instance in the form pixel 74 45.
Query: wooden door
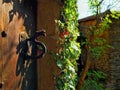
pixel 16 73
pixel 48 11
pixel 24 16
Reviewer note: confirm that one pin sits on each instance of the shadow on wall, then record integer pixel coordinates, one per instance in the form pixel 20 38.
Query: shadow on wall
pixel 27 10
pixel 26 69
pixel 26 66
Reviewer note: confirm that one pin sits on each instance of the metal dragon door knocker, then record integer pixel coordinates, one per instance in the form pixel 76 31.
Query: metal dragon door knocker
pixel 29 50
pixel 28 46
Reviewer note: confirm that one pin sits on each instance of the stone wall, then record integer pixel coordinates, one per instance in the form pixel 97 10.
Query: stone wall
pixel 110 62
pixel 115 55
pixel 103 62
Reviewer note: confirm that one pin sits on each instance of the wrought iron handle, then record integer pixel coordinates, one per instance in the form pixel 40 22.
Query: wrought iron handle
pixel 38 44
pixel 28 46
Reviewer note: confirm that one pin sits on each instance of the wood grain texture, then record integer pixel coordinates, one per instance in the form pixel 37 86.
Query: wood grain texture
pixel 48 11
pixel 15 19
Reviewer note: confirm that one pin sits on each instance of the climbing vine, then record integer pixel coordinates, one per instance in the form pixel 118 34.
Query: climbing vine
pixel 69 51
pixel 94 80
pixel 98 44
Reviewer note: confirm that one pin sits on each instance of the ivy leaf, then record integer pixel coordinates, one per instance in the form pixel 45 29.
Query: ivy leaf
pixel 59 63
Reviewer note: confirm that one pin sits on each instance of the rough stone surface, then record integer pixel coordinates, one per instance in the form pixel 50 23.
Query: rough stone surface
pixel 110 63
pixel 115 56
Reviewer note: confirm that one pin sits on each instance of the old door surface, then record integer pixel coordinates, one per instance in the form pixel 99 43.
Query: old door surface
pixel 47 12
pixel 16 73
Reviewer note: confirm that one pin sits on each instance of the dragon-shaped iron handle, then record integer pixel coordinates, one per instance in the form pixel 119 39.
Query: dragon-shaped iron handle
pixel 29 45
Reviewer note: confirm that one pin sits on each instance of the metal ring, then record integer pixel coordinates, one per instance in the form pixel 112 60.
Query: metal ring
pixel 42 45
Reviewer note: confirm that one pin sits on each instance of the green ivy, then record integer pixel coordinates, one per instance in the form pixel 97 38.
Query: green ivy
pixel 69 50
pixel 98 45
pixel 94 81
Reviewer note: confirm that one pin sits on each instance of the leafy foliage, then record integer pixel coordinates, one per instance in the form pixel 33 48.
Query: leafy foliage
pixel 95 5
pixel 99 45
pixel 69 49
pixel 94 80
